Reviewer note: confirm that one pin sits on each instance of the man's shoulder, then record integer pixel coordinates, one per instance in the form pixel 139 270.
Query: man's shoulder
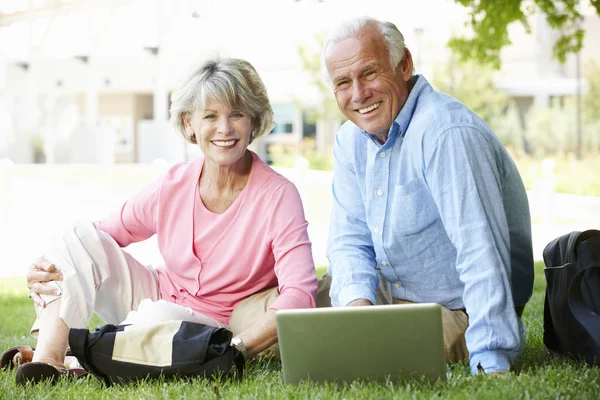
pixel 440 111
pixel 349 136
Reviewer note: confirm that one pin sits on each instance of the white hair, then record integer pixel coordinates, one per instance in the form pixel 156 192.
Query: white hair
pixel 392 37
pixel 229 81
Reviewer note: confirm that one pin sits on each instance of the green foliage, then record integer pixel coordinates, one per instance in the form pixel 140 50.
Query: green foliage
pixel 591 98
pixel 553 130
pixel 489 20
pixel 570 176
pixel 310 57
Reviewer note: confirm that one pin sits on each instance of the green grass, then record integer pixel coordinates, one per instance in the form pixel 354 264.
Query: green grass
pixel 535 375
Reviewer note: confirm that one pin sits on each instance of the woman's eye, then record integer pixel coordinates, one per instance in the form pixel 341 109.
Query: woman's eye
pixel 238 114
pixel 209 116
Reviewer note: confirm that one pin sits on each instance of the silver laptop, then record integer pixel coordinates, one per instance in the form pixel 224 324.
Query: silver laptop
pixel 343 344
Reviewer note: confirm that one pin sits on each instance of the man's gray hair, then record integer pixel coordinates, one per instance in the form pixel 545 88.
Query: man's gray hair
pixel 392 37
pixel 229 81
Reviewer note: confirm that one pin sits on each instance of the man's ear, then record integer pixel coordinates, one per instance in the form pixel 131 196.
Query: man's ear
pixel 405 67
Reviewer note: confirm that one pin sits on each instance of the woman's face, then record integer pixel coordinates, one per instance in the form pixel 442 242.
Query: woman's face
pixel 223 134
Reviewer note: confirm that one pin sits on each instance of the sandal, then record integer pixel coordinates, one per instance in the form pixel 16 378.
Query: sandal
pixel 9 358
pixel 16 355
pixel 35 372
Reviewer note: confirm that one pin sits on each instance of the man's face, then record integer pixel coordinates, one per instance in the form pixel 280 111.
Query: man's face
pixel 368 91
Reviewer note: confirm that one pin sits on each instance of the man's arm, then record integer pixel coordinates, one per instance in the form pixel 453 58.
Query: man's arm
pixel 464 176
pixel 350 251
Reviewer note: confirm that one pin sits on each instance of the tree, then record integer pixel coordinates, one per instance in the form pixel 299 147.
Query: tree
pixel 327 114
pixel 591 99
pixel 490 19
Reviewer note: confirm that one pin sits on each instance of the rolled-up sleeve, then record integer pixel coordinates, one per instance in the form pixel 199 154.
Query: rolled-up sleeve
pixel 350 250
pixel 291 247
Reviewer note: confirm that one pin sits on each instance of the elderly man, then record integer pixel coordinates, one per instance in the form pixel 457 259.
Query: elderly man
pixel 426 195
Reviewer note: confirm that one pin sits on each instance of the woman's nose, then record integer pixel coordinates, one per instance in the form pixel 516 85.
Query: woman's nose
pixel 224 125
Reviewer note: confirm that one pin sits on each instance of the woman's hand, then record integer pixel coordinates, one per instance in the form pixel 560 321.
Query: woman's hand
pixel 39 276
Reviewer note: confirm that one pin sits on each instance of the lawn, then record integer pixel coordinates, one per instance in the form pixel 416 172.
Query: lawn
pixel 535 375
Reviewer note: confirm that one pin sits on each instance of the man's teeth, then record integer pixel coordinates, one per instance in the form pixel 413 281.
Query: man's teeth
pixel 370 108
pixel 225 144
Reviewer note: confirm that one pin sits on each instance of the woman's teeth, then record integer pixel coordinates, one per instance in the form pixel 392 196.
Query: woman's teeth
pixel 224 144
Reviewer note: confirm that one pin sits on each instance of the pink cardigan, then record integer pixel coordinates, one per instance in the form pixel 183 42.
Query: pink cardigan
pixel 262 243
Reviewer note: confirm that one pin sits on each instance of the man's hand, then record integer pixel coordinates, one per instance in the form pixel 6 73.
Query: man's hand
pixel 360 302
pixel 40 273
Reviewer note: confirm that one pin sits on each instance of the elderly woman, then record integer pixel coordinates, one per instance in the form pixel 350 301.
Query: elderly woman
pixel 231 230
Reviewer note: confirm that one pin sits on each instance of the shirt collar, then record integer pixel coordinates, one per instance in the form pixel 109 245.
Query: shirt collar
pixel 407 111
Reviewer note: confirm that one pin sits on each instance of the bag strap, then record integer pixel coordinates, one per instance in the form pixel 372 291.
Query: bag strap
pixel 240 363
pixel 582 313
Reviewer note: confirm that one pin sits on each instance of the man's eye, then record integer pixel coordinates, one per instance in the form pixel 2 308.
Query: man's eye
pixel 342 85
pixel 369 76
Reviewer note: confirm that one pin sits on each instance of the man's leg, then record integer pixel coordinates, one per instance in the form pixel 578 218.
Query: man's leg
pixel 383 295
pixel 455 324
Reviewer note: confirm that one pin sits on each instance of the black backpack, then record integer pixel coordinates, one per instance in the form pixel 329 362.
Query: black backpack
pixel 125 353
pixel 572 303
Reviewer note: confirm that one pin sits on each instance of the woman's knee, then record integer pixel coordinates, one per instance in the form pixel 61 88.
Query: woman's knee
pixel 249 310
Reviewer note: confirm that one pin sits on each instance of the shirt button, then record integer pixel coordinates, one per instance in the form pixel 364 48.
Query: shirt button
pixel 181 291
pixel 382 154
pixel 383 263
pixel 376 230
pixel 380 192
pixel 397 285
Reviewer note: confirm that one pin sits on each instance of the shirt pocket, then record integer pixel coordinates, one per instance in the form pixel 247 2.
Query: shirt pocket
pixel 412 210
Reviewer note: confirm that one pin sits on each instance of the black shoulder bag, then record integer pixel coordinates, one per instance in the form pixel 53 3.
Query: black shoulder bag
pixel 167 349
pixel 572 303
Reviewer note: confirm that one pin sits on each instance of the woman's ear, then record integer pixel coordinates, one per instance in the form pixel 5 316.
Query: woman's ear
pixel 187 122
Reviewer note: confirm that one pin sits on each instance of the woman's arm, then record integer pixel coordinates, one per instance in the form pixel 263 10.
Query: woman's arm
pixel 294 267
pixel 136 219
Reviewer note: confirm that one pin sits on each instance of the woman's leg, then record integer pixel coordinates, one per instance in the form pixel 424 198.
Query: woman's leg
pixel 98 277
pixel 249 310
pixel 161 310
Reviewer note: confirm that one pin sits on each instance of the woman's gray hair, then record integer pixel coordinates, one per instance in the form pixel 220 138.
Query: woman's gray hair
pixel 229 81
pixel 392 37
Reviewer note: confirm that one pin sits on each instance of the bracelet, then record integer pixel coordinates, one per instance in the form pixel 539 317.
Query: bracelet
pixel 239 344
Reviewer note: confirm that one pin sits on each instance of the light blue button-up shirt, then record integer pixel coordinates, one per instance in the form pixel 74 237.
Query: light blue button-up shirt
pixel 441 210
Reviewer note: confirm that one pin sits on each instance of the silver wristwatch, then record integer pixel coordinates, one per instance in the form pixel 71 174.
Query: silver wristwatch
pixel 239 344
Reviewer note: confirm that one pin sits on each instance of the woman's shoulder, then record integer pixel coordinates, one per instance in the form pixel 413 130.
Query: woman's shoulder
pixel 267 179
pixel 183 171
pixel 180 174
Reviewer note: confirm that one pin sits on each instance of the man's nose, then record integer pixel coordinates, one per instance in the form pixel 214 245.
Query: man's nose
pixel 359 91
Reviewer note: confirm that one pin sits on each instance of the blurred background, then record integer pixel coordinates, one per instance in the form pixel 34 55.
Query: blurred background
pixel 85 86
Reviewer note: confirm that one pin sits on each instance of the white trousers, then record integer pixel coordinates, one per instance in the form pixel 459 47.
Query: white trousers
pixel 98 276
